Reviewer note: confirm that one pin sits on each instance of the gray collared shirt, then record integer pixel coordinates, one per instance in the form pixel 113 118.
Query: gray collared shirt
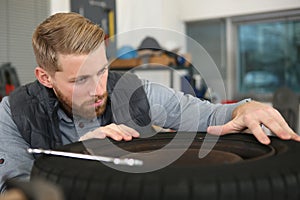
pixel 168 109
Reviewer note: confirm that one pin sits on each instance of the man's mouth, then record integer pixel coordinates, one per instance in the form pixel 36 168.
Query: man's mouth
pixel 97 103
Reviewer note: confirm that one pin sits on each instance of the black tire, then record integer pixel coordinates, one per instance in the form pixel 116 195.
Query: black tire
pixel 252 171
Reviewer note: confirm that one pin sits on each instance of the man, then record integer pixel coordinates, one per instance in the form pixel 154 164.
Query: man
pixel 75 98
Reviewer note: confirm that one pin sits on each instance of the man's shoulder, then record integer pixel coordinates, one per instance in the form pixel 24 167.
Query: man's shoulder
pixel 5 112
pixel 30 91
pixel 33 86
pixel 4 104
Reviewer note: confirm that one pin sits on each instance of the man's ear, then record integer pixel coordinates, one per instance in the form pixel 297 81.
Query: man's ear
pixel 43 77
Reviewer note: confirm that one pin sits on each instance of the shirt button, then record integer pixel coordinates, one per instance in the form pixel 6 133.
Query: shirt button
pixel 81 124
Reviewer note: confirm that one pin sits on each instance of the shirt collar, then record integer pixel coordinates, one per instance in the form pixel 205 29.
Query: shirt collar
pixel 63 116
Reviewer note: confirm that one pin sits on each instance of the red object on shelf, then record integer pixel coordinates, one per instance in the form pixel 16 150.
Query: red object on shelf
pixel 228 101
pixel 9 88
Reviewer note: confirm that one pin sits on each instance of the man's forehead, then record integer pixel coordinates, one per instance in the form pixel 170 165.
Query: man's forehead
pixel 96 59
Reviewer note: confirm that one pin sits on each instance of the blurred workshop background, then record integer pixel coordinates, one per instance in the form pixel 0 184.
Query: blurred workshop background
pixel 254 44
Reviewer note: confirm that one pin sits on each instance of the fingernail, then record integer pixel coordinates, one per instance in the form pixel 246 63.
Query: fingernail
pixel 266 140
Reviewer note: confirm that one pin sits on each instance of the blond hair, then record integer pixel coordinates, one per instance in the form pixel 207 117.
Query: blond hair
pixel 64 33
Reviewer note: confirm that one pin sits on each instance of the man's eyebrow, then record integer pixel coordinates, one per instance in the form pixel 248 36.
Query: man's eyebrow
pixel 105 65
pixel 103 68
pixel 86 76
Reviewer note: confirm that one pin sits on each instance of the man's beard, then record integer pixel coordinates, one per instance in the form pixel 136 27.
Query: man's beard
pixel 84 110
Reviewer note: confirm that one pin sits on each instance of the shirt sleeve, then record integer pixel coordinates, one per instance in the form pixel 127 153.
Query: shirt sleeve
pixel 183 112
pixel 15 163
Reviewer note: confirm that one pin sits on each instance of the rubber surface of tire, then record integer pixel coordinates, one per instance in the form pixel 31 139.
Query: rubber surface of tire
pixel 275 176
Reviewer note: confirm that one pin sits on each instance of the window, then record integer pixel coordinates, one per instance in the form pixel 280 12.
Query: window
pixel 268 55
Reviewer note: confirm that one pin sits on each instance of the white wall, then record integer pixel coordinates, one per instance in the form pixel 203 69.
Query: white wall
pixel 207 9
pixel 138 14
pixel 172 14
pixel 59 6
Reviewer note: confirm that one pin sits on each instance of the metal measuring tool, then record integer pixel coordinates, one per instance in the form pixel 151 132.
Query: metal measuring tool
pixel 116 161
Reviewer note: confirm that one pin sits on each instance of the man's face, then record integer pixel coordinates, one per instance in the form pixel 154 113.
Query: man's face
pixel 81 85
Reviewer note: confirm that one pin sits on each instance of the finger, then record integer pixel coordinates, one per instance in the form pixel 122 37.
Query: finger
pixel 115 134
pixel 296 137
pixel 101 133
pixel 118 133
pixel 129 130
pixel 256 130
pixel 275 122
pixel 222 129
pixel 288 130
pixel 255 127
pixel 93 134
pixel 124 131
pixel 279 126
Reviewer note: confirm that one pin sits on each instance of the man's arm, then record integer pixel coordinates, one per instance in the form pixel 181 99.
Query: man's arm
pixel 173 109
pixel 183 112
pixel 15 161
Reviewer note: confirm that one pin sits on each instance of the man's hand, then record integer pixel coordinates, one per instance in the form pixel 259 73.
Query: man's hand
pixel 114 131
pixel 251 116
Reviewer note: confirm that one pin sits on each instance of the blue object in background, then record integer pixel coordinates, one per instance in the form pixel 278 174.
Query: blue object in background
pixel 126 52
pixel 180 60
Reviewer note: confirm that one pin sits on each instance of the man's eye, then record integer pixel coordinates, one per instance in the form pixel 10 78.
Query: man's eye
pixel 102 71
pixel 80 80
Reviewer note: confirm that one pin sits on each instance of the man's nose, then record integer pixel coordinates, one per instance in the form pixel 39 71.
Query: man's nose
pixel 97 88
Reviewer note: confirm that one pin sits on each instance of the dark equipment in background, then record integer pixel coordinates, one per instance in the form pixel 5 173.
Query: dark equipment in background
pixel 8 79
pixel 287 103
pixel 102 12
